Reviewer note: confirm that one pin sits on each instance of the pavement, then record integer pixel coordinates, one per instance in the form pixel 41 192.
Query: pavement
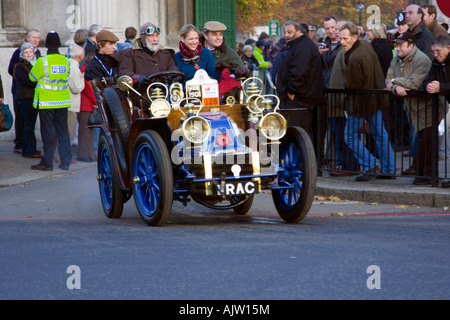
pixel 16 170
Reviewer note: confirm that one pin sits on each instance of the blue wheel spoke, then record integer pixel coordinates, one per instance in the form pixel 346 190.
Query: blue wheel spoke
pixel 298 184
pixel 154 200
pixel 291 176
pixel 105 184
pixel 295 197
pixel 142 171
pixel 147 192
pixel 289 200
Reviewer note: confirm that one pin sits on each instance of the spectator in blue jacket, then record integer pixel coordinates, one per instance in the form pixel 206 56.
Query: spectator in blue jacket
pixel 130 37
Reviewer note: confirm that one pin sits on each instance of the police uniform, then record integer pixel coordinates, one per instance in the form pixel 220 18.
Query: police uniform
pixel 52 99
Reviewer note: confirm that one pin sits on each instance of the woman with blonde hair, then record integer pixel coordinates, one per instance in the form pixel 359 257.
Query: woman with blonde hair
pixel 192 56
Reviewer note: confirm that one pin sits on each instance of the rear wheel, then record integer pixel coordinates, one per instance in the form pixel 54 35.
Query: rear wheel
pixel 245 207
pixel 297 158
pixel 111 195
pixel 152 178
pixel 119 117
pixel 119 121
pixel 240 204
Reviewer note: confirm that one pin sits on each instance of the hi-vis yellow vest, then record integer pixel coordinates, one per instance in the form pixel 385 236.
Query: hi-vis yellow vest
pixel 51 73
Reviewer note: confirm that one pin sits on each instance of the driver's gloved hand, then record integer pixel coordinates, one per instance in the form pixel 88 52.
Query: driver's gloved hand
pixel 141 81
pixel 220 66
pixel 241 72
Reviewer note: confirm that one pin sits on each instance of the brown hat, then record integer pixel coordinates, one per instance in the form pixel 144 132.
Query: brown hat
pixel 214 26
pixel 106 35
pixel 404 37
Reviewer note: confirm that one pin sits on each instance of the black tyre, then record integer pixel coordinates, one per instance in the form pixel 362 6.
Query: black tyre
pixel 118 115
pixel 152 178
pixel 111 195
pixel 245 207
pixel 297 158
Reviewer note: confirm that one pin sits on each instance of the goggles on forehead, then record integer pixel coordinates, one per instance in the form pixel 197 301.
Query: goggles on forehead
pixel 151 30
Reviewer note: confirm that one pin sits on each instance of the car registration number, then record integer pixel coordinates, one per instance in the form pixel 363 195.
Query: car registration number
pixel 238 188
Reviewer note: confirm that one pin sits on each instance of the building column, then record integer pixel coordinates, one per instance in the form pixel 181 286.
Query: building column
pixel 3 41
pixel 101 12
pixel 89 12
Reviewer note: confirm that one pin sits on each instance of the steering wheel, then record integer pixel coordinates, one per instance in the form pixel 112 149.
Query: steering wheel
pixel 167 77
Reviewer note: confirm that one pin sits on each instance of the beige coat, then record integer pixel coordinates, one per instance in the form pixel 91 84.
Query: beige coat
pixel 410 73
pixel 76 85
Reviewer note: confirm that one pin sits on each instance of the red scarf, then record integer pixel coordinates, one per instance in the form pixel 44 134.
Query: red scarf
pixel 188 55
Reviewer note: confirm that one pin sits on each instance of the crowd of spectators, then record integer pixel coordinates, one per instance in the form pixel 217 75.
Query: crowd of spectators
pixel 354 58
pixel 298 67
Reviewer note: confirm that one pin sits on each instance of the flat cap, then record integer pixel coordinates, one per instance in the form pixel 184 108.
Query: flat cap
pixel 214 26
pixel 106 35
pixel 404 37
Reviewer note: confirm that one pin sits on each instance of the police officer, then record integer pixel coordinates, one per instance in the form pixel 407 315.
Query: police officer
pixel 52 99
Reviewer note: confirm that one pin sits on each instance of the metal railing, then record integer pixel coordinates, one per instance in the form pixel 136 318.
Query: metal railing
pixel 394 136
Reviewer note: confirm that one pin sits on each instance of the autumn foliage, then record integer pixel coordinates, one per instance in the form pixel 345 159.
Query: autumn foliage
pixel 251 13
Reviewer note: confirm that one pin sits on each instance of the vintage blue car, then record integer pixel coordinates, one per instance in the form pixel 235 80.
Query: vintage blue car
pixel 220 156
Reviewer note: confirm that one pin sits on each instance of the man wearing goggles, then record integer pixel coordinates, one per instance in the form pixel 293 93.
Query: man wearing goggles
pixel 145 58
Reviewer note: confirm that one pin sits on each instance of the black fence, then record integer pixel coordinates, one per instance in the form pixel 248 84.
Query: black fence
pixel 375 130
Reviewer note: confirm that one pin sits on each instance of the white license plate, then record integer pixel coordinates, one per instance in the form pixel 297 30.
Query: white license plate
pixel 244 187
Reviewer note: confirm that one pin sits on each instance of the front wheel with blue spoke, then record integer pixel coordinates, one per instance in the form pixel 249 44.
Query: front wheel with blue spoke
pixel 152 178
pixel 111 195
pixel 298 177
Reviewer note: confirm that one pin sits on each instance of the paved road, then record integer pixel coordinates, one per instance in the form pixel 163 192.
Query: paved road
pixel 50 244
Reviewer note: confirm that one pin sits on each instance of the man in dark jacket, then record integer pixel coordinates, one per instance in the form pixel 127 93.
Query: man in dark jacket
pixel 331 48
pixel 438 80
pixel 343 155
pixel 364 72
pixel 90 44
pixel 300 82
pixel 423 37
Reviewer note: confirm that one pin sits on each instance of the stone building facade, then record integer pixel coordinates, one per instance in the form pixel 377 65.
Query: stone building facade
pixel 65 16
pixel 17 17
